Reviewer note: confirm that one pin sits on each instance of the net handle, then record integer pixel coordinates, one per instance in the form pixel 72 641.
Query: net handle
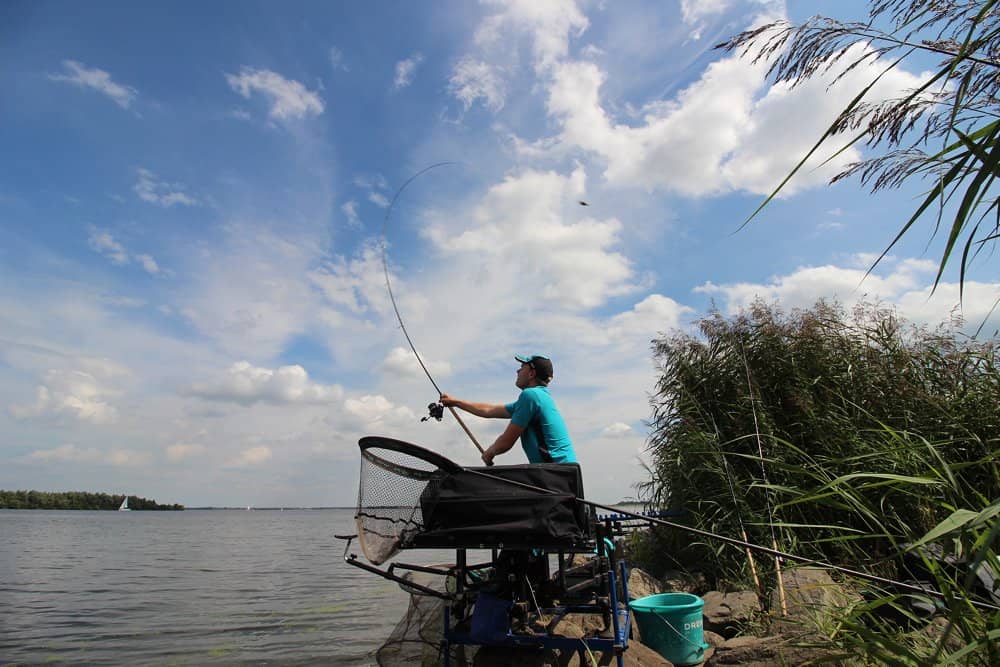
pixel 435 459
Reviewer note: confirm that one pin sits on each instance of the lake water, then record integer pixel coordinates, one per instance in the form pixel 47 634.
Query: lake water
pixel 199 587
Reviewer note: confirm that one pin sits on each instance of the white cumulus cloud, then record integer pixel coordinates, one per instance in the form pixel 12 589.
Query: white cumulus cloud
pixel 403 363
pixel 378 199
pixel 337 60
pixel 522 219
pixel 692 10
pixel 181 450
pixel 153 190
pixel 405 69
pixel 356 285
pixel 96 79
pixel 253 456
pixel 477 80
pixel 253 292
pixel 727 131
pixel 350 210
pixel 369 410
pixel 289 98
pixel 907 284
pixel 148 264
pixel 103 242
pixel 74 393
pixel 247 384
pixel 549 23
pixel 655 313
pixel 128 458
pixel 66 453
pixel 616 430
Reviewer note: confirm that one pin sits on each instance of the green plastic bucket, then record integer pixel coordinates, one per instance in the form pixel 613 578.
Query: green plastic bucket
pixel 671 625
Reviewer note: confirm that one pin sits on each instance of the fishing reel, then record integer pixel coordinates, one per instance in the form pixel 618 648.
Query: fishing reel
pixel 435 410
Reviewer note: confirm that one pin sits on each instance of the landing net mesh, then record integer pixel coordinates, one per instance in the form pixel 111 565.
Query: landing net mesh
pixel 393 475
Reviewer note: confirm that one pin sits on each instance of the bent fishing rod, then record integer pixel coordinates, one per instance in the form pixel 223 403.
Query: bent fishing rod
pixel 911 588
pixel 435 410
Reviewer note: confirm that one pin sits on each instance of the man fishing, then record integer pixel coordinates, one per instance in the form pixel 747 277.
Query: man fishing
pixel 534 417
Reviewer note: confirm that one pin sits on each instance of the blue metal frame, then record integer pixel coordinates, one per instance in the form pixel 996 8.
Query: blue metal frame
pixel 617 643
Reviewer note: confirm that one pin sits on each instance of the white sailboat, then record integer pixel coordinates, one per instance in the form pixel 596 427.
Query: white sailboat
pixel 124 506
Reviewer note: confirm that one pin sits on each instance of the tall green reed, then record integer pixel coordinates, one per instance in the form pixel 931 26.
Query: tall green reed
pixel 877 438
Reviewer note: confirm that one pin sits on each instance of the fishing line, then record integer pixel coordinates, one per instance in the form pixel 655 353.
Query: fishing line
pixel 434 409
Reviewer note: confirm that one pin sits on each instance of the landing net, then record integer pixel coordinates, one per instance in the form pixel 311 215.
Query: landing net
pixel 394 474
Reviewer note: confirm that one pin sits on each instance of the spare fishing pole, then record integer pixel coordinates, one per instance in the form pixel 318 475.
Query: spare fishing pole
pixel 739 518
pixel 758 586
pixel 395 307
pixel 767 487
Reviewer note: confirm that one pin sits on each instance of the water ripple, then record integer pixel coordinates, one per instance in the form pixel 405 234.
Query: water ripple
pixel 188 588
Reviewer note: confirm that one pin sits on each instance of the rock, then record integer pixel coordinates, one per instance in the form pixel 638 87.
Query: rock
pixel 636 655
pixel 642 584
pixel 730 613
pixel 579 625
pixel 746 651
pixel 768 651
pixel 685 582
pixel 814 601
pixel 640 655
pixel 935 630
pixel 636 633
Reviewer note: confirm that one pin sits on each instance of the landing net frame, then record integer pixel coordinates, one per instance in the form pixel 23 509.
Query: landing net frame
pixel 394 474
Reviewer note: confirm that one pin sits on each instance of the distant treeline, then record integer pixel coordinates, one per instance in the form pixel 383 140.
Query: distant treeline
pixel 75 500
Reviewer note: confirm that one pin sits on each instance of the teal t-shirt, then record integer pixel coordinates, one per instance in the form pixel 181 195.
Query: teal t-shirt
pixel 545 438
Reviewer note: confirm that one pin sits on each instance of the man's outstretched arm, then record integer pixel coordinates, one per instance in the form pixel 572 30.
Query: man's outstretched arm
pixel 486 410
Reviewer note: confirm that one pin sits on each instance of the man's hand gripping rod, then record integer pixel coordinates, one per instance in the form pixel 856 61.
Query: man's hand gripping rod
pixel 436 410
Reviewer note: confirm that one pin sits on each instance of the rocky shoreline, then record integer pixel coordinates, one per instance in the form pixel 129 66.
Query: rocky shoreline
pixel 736 628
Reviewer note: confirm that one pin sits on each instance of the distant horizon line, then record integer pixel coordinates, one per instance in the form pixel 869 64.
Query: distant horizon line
pixel 334 507
pixel 328 507
pixel 276 507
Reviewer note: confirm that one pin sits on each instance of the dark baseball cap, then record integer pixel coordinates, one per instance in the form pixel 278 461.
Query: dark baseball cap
pixel 541 364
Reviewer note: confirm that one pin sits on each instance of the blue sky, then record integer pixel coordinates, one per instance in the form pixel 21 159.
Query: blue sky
pixel 192 199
